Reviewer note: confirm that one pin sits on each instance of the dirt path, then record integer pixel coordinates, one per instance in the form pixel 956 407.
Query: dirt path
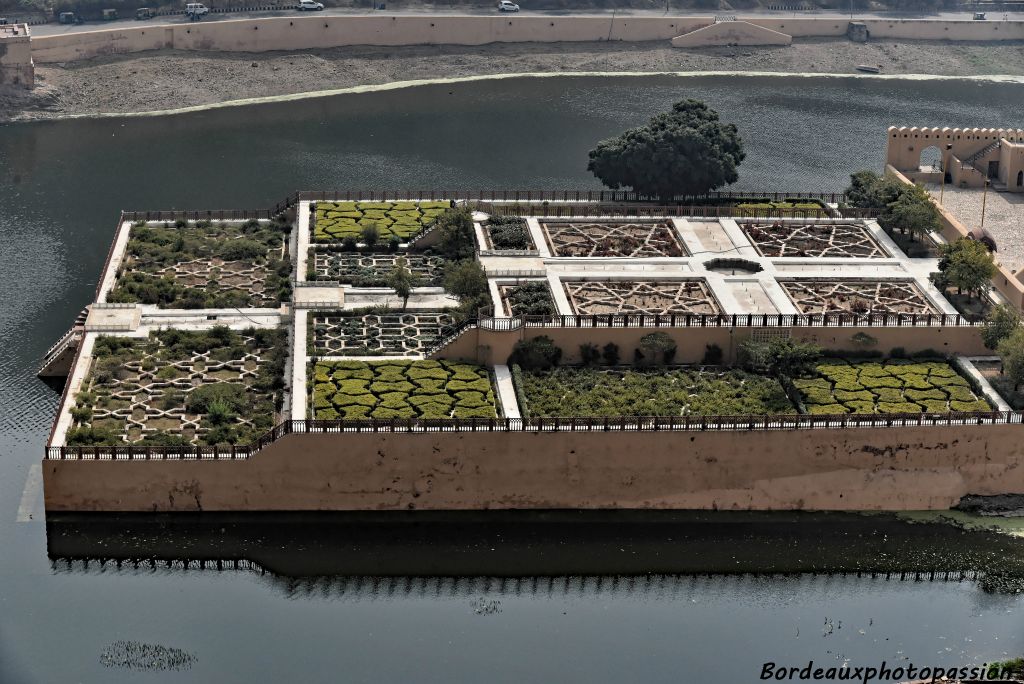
pixel 174 79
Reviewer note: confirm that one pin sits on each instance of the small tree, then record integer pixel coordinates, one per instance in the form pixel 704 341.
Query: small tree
pixel 1000 323
pixel 967 265
pixel 370 234
pixel 466 280
pixel 912 212
pixel 456 239
pixel 610 354
pixel 1011 352
pixel 780 356
pixel 869 190
pixel 685 151
pixel 402 280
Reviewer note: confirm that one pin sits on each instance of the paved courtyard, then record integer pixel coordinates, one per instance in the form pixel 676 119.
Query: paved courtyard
pixel 1004 219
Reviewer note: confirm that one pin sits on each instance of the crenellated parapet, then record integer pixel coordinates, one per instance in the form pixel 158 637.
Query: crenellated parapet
pixel 969 155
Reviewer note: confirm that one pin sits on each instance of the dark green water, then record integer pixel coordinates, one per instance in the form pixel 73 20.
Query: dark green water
pixel 61 186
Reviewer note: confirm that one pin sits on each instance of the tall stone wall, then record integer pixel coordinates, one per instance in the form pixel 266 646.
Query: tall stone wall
pixel 906 144
pixel 905 468
pixel 310 32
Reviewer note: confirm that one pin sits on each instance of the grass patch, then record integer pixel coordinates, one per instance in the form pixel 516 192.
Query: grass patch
pixel 573 391
pixel 336 221
pixel 401 389
pixel 893 386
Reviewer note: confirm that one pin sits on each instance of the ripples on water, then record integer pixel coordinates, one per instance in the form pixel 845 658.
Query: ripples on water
pixel 61 187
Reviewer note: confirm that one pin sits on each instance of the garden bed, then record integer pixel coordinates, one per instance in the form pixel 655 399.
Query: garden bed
pixel 372 269
pixel 689 296
pixel 182 387
pixel 401 389
pixel 376 332
pixel 608 239
pixel 1001 383
pixel 508 233
pixel 196 265
pixel 893 386
pixel 794 239
pixel 819 296
pixel 575 391
pixel 528 299
pixel 336 221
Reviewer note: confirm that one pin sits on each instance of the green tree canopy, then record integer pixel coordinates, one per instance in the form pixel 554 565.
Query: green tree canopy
pixel 1000 323
pixel 402 280
pixel 686 151
pixel 966 265
pixel 1011 352
pixel 912 212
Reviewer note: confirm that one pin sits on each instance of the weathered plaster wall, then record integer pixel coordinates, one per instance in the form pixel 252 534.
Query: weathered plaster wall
pixel 852 469
pixel 732 33
pixel 294 33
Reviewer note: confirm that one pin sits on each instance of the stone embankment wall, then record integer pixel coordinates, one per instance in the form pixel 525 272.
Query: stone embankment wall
pixel 310 32
pixel 905 468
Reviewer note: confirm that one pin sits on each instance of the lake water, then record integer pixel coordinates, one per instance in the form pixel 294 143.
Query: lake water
pixel 61 187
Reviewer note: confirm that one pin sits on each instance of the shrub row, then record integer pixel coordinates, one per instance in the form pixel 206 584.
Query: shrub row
pixel 401 389
pixel 335 221
pixel 893 386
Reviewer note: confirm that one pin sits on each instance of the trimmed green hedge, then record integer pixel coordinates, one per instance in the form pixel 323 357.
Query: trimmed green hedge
pixel 893 386
pixel 574 391
pixel 335 221
pixel 401 389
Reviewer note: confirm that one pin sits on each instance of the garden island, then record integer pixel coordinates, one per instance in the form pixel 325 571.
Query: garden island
pixel 547 349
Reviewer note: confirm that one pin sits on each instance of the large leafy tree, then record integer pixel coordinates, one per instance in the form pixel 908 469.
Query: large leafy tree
pixel 966 265
pixel 686 151
pixel 1011 352
pixel 1000 323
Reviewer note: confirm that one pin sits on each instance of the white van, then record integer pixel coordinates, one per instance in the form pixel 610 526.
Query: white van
pixel 194 10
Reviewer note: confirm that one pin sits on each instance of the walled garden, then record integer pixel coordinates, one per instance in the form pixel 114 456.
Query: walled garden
pixel 336 221
pixel 180 387
pixel 892 386
pixel 608 239
pixel 376 332
pixel 813 296
pixel 690 296
pixel 371 269
pixel 401 389
pixel 793 239
pixel 528 299
pixel 580 391
pixel 193 265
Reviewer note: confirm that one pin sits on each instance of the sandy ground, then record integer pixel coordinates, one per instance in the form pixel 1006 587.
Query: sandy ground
pixel 172 79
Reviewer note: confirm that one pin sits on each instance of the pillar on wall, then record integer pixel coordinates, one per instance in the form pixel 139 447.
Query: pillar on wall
pixel 16 66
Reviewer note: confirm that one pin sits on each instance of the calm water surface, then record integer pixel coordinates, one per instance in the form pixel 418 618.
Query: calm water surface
pixel 61 186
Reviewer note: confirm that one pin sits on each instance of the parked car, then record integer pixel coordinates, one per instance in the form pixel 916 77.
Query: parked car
pixel 144 13
pixel 507 6
pixel 311 5
pixel 979 16
pixel 196 10
pixel 69 18
pixel 110 15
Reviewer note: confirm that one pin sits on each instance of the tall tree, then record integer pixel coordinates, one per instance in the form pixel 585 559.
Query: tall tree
pixel 912 212
pixel 686 151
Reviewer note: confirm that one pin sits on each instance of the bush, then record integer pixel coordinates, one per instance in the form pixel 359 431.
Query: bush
pixel 217 398
pixel 538 353
pixel 508 232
